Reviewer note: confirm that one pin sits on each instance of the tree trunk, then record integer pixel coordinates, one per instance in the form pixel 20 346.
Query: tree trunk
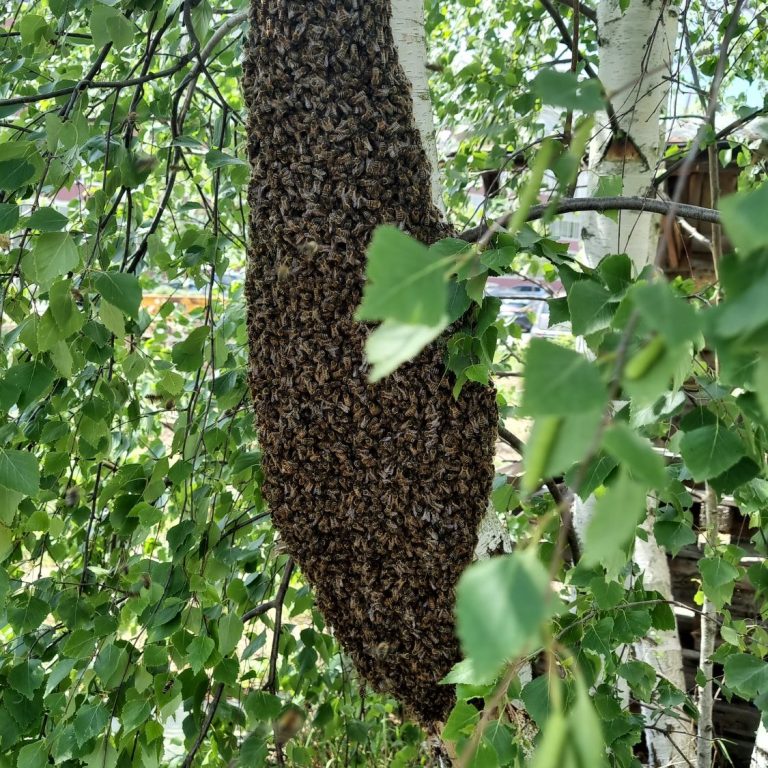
pixel 636 48
pixel 760 751
pixel 377 490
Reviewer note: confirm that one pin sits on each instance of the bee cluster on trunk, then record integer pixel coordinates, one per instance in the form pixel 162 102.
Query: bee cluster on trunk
pixel 377 489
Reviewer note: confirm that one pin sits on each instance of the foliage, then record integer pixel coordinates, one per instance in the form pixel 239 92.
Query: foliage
pixel 134 540
pixel 133 535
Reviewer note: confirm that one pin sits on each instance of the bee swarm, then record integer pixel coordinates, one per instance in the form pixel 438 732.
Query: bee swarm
pixel 377 490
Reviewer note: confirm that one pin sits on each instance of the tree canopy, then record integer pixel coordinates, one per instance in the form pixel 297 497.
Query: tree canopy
pixel 149 612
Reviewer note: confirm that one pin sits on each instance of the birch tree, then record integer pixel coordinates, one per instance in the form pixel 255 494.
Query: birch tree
pixel 636 51
pixel 178 587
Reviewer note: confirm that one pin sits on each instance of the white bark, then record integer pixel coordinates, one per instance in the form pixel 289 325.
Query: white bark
pixel 760 752
pixel 411 44
pixel 410 41
pixel 636 50
pixel 662 650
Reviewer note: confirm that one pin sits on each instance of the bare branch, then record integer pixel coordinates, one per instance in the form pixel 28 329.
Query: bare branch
pixel 209 715
pixel 584 10
pixel 601 204
pixel 271 684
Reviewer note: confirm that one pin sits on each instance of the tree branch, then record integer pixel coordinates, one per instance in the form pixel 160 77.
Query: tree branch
pixel 517 444
pixel 209 715
pixel 566 36
pixel 584 10
pixel 601 204
pixel 271 684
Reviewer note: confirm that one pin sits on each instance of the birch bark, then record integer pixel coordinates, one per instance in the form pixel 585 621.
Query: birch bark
pixel 636 48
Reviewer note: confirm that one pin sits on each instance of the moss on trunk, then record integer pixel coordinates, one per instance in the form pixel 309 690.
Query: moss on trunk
pixel 377 490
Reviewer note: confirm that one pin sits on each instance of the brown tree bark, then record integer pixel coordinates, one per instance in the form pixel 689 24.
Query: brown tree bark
pixel 377 490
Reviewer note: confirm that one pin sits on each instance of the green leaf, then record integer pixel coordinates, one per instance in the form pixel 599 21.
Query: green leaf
pixel 216 159
pixel 53 255
pixel 500 606
pixel 108 25
pixel 112 318
pixel 585 729
pixel 262 706
pixel 709 451
pixel 60 671
pixel 121 290
pixel 19 471
pixel 557 442
pixel 111 666
pixel 34 755
pixel 69 319
pixel 672 532
pixel 591 307
pixel 394 343
pixel 230 632
pixel 27 613
pixel 7 541
pixel 553 743
pixel 559 381
pixel 505 497
pixel 461 721
pixel 15 173
pixel 718 577
pixel 640 676
pixel 743 313
pixel 199 651
pixel 30 380
pixel 47 219
pixel 743 216
pixel 610 186
pixel 746 674
pixel 670 315
pixel 616 272
pixel 90 721
pixel 563 89
pixel 135 712
pixel 80 644
pixel 187 355
pixel 27 677
pixel 33 28
pixel 104 755
pixel 62 358
pixel 9 216
pixel 405 281
pixel 617 515
pixel 761 383
pixel 637 454
pixel 202 18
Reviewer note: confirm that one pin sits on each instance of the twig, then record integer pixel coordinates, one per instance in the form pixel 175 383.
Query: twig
pixel 271 684
pixel 209 715
pixel 565 35
pixel 517 444
pixel 576 204
pixel 714 93
pixel 584 10
pixel 259 610
pixel 469 751
pixel 723 133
